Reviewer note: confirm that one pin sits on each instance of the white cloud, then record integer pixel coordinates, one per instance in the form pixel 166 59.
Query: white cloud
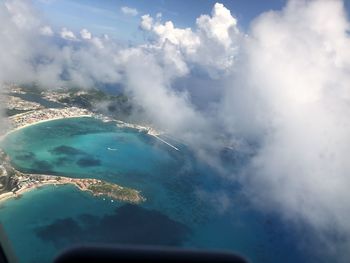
pixel 46 31
pixel 42 60
pixel 212 46
pixel 67 34
pixel 98 42
pixel 221 26
pixel 129 11
pixel 146 22
pixel 293 75
pixel 20 15
pixel 183 38
pixel 158 93
pixel 85 34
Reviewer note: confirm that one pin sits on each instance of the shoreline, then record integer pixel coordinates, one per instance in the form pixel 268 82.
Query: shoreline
pixel 75 182
pixel 9 195
pixel 64 113
pixel 27 119
pixel 6 196
pixel 41 121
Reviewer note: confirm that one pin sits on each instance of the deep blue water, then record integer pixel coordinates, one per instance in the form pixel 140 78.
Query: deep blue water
pixel 184 197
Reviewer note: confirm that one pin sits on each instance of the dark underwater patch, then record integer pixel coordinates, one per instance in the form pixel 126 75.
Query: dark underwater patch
pixel 26 156
pixel 61 232
pixel 43 166
pixel 88 220
pixel 62 161
pixel 129 224
pixel 66 150
pixel 88 162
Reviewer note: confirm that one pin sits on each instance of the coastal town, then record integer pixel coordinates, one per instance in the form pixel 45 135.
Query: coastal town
pixel 25 112
pixel 24 119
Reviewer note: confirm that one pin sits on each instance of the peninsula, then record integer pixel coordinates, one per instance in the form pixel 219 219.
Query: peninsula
pixel 13 183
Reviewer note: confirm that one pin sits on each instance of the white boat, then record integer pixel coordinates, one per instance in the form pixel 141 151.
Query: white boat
pixel 111 149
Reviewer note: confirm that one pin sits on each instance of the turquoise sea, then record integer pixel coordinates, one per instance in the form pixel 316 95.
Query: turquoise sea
pixel 185 204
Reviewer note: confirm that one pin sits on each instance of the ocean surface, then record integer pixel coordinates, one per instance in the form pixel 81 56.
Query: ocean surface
pixel 186 200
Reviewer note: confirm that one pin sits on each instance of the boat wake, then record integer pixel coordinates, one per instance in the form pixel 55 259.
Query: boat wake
pixel 111 149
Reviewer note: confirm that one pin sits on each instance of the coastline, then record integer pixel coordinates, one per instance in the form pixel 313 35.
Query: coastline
pixel 5 196
pixel 83 185
pixel 41 121
pixel 27 119
pixel 50 114
pixel 9 195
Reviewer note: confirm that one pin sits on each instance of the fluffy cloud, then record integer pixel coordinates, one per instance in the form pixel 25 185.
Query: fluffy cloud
pixel 17 40
pixel 85 34
pixel 46 31
pixel 294 77
pixel 23 17
pixel 146 22
pixel 129 11
pixel 67 34
pixel 212 46
pixel 305 95
pixel 159 93
pixel 221 26
pixel 86 62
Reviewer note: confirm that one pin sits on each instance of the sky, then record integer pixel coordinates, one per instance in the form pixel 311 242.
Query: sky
pixel 107 17
pixel 268 80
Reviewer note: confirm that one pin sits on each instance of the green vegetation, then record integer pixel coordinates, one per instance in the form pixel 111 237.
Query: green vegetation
pixel 33 87
pixel 12 112
pixel 97 100
pixel 93 99
pixel 116 191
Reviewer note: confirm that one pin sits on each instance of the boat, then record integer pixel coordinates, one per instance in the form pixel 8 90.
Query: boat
pixel 111 149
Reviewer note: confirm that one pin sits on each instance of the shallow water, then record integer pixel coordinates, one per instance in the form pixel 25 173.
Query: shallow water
pixel 183 197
